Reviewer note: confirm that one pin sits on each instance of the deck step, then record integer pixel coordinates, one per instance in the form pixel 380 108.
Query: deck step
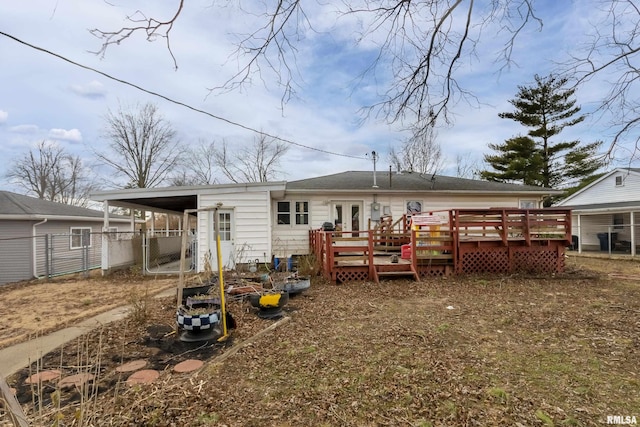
pixel 396 273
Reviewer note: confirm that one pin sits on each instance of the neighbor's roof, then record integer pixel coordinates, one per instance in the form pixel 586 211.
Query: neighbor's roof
pixel 567 201
pixel 408 181
pixel 604 207
pixel 18 206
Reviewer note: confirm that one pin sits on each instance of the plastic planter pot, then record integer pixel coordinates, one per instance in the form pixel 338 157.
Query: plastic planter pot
pixel 294 285
pixel 197 322
pixel 270 304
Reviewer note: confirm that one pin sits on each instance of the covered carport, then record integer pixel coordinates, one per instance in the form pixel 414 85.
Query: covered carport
pixel 243 213
pixel 612 228
pixel 156 245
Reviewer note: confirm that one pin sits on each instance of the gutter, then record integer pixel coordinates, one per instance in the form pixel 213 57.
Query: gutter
pixel 542 192
pixel 61 218
pixel 34 256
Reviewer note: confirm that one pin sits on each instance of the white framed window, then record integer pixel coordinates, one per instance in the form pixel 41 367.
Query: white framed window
pixel 79 237
pixel 528 204
pixel 296 210
pixel 619 181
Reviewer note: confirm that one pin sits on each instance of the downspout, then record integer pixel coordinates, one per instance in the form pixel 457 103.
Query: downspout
pixel 34 257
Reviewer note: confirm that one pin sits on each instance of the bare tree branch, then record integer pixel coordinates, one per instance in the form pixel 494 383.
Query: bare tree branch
pixel 142 146
pixel 421 153
pixel 613 55
pixel 50 173
pixel 256 163
pixel 198 165
pixel 151 27
pixel 423 44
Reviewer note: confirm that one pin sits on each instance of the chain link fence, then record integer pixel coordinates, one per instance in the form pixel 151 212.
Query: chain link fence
pixel 50 255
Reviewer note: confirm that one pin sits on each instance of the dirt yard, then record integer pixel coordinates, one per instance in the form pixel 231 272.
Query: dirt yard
pixel 467 351
pixel 33 308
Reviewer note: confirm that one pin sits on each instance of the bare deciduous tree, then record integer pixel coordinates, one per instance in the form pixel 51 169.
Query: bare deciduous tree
pixel 142 146
pixel 49 173
pixel 420 153
pixel 198 165
pixel 466 166
pixel 256 163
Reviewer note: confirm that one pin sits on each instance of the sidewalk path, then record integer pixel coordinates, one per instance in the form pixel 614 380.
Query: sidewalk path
pixel 19 356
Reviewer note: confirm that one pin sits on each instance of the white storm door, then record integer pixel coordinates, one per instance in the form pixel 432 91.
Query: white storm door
pixel 226 231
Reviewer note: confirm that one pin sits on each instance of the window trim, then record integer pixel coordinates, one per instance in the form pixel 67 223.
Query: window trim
pixel 72 235
pixel 619 181
pixel 293 213
pixel 521 201
pixel 618 221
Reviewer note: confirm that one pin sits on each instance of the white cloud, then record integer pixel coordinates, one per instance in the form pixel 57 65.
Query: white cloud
pixel 3 116
pixel 72 135
pixel 93 89
pixel 24 129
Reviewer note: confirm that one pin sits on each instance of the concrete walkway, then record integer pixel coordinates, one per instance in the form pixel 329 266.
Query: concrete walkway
pixel 21 355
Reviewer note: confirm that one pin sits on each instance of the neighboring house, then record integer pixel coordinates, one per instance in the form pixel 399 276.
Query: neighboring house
pixel 261 220
pixel 606 213
pixel 33 232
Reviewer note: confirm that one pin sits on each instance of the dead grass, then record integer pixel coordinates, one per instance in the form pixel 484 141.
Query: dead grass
pixel 34 308
pixel 486 350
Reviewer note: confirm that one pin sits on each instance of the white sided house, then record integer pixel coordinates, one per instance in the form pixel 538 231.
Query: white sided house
pixel 262 221
pixel 606 213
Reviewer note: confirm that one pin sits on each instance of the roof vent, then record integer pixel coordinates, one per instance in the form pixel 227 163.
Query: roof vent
pixel 374 155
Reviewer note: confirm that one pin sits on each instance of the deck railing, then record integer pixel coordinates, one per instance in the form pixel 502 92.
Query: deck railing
pixel 512 224
pixel 442 243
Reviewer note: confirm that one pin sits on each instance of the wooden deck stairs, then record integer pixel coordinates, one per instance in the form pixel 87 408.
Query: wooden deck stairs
pixel 390 270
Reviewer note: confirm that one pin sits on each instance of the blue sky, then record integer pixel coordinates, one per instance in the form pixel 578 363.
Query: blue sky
pixel 44 98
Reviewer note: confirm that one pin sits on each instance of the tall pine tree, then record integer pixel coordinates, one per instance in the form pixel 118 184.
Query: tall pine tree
pixel 546 108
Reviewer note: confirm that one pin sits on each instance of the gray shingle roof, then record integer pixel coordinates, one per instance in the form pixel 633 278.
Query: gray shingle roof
pixel 18 204
pixel 407 181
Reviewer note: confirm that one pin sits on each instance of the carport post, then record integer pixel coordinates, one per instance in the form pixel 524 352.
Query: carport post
pixel 105 239
pixel 183 255
pixel 633 233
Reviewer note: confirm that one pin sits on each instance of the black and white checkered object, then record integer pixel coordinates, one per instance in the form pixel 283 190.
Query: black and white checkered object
pixel 198 322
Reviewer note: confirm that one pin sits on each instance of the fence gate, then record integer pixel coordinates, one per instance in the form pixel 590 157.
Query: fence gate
pixel 68 253
pixel 161 252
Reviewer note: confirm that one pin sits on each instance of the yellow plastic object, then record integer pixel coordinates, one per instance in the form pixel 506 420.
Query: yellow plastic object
pixel 270 300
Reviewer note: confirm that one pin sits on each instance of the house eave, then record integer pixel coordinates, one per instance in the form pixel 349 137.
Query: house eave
pixel 35 217
pixel 396 191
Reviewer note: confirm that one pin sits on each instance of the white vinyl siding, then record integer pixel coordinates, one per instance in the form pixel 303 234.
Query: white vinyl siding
pixel 292 240
pixel 252 221
pixel 608 191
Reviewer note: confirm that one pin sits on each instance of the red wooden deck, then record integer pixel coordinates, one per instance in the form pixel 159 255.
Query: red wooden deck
pixel 466 241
